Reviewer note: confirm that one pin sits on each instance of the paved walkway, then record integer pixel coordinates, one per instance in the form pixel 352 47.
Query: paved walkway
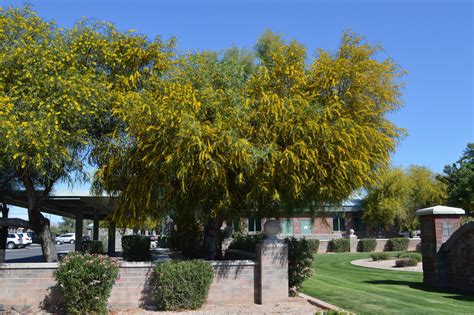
pixel 385 264
pixel 296 306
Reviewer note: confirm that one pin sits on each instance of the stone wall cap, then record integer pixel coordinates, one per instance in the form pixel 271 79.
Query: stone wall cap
pixel 233 263
pixel 438 210
pixel 36 265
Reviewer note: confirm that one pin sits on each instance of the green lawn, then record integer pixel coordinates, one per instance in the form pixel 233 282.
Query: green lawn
pixel 374 291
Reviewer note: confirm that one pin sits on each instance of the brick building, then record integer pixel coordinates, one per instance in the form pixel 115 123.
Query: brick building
pixel 331 222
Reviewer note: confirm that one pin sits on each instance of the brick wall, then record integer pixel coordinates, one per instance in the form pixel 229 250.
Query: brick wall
pixel 235 282
pixel 30 285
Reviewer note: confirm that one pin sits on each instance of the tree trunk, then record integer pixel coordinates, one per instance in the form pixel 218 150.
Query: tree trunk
pixel 211 238
pixel 38 222
pixel 3 234
pixel 41 227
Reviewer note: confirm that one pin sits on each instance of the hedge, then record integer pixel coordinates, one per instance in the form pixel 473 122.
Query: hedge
pixel 380 256
pixel 300 258
pixel 406 262
pixel 340 245
pixel 398 244
pixel 246 242
pixel 136 248
pixel 367 245
pixel 414 255
pixel 182 284
pixel 92 247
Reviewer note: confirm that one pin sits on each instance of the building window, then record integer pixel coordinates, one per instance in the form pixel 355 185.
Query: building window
pixel 286 227
pixel 255 224
pixel 357 222
pixel 305 226
pixel 338 222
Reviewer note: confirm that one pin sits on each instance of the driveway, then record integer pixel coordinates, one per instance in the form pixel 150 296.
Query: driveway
pixel 33 253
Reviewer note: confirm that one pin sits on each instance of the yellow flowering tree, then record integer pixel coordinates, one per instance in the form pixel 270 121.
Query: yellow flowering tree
pixel 56 91
pixel 213 138
pixel 391 201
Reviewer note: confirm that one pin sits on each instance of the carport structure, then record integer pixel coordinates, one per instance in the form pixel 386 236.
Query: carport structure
pixel 94 208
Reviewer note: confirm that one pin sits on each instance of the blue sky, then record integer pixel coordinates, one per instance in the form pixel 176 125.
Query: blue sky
pixel 432 40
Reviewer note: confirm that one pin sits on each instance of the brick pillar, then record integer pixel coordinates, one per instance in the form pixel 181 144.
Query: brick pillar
pixel 272 256
pixel 437 225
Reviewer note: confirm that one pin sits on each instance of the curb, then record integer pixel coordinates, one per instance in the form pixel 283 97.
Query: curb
pixel 319 303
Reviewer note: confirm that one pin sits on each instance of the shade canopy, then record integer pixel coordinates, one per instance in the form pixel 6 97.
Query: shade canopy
pixel 68 206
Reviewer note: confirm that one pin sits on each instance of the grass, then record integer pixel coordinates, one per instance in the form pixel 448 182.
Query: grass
pixel 374 291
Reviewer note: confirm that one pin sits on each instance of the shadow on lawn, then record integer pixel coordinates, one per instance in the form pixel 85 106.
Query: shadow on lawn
pixel 461 296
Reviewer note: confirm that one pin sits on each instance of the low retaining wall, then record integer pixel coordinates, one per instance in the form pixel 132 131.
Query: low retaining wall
pixel 235 282
pixel 29 286
pixel 413 244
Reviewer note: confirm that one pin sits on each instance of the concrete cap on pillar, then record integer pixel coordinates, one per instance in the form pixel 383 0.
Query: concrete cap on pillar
pixel 439 210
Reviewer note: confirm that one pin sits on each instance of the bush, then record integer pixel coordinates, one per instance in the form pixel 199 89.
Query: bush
pixel 406 262
pixel 380 256
pixel 246 242
pixel 188 240
pixel 136 248
pixel 182 284
pixel 314 245
pixel 86 281
pixel 398 244
pixel 300 258
pixel 340 245
pixel 367 245
pixel 163 241
pixel 92 247
pixel 414 255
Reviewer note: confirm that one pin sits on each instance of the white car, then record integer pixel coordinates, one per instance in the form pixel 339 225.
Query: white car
pixel 27 240
pixel 66 238
pixel 14 241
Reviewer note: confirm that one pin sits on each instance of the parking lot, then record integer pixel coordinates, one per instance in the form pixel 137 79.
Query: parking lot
pixel 33 253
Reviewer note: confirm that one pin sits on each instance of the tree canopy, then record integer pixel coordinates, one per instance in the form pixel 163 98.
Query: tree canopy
pixel 392 201
pixel 57 87
pixel 218 135
pixel 459 178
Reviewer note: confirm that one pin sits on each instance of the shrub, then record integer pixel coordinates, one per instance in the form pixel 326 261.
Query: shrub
pixel 188 240
pixel 340 245
pixel 163 241
pixel 380 256
pixel 399 244
pixel 182 284
pixel 300 258
pixel 86 281
pixel 92 247
pixel 136 248
pixel 367 245
pixel 246 242
pixel 314 245
pixel 414 255
pixel 406 262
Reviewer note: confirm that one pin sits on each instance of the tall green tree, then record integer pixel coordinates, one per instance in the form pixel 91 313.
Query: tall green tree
pixel 289 134
pixel 460 180
pixel 392 201
pixel 56 91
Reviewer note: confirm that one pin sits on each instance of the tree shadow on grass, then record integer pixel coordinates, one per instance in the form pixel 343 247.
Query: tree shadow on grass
pixel 461 295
